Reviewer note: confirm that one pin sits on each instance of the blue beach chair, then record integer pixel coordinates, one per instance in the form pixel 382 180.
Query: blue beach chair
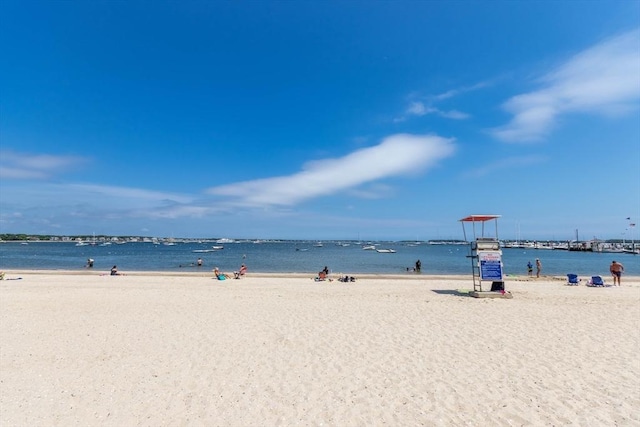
pixel 596 281
pixel 572 279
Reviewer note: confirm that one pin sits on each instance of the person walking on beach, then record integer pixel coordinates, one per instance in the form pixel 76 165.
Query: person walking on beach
pixel 538 267
pixel 616 270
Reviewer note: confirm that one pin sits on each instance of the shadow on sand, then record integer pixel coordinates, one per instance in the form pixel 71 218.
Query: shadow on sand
pixel 454 292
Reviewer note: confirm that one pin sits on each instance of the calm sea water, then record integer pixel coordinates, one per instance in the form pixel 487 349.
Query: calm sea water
pixel 299 257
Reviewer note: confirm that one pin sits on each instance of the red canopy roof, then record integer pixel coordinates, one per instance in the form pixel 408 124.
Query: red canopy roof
pixel 479 218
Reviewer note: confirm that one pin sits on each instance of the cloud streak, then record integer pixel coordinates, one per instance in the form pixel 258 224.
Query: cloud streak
pixel 357 174
pixel 419 109
pixel 425 104
pixel 34 167
pixel 602 80
pixel 95 201
pixel 396 155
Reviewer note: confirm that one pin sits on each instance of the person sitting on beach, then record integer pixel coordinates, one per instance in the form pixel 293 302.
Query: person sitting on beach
pixel 325 270
pixel 241 272
pixel 219 275
pixel 114 271
pixel 322 276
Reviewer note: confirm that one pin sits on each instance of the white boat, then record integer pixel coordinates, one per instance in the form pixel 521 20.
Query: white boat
pixel 217 248
pixel 224 240
pixel 202 251
pixel 369 248
pixel 385 251
pixel 318 245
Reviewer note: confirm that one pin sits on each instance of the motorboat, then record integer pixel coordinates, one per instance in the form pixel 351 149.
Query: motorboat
pixel 224 240
pixel 385 251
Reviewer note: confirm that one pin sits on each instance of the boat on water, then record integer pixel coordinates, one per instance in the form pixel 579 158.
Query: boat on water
pixel 386 251
pixel 369 248
pixel 318 245
pixel 217 248
pixel 225 240
pixel 202 251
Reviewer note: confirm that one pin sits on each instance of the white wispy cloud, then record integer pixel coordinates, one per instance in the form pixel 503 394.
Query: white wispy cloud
pixel 423 105
pixel 418 108
pixel 603 79
pixel 99 192
pixel 396 155
pixel 357 174
pixel 99 201
pixel 14 165
pixel 455 92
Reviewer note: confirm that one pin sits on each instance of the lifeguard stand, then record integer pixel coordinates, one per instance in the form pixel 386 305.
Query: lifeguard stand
pixel 486 258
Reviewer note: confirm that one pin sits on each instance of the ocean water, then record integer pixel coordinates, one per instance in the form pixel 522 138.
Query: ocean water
pixel 299 257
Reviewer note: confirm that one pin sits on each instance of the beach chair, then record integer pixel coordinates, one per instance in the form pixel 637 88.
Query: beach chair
pixel 596 281
pixel 572 279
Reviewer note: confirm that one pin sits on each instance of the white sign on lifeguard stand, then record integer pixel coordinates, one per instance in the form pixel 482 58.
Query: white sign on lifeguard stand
pixel 486 258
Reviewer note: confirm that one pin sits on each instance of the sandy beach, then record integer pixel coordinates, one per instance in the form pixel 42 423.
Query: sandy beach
pixel 159 349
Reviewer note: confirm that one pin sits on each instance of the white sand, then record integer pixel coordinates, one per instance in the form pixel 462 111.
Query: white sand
pixel 172 350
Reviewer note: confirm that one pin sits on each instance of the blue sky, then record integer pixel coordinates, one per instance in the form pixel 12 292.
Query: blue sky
pixel 320 119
